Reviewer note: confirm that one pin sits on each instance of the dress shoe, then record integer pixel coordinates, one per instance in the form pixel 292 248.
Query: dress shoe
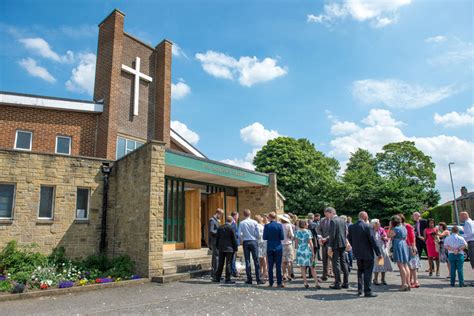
pixel 281 285
pixel 248 282
pixel 335 287
pixel 359 293
pixel 345 286
pixel 216 280
pixel 229 282
pixel 370 294
pixel 260 282
pixel 324 278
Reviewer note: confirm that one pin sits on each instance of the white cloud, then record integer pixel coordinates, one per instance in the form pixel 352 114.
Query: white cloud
pixel 179 90
pixel 177 51
pixel 40 47
pixel 181 128
pixel 239 163
pixel 399 94
pixel 248 70
pixel 458 53
pixel 378 13
pixel 256 134
pixel 83 76
pixel 435 39
pixel 343 128
pixel 443 149
pixel 30 65
pixel 455 119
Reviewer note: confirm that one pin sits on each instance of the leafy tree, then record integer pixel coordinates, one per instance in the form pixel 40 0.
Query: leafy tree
pixel 408 179
pixel 306 177
pixel 361 184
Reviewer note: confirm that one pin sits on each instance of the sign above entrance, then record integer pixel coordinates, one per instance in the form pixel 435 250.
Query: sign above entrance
pixel 138 75
pixel 209 167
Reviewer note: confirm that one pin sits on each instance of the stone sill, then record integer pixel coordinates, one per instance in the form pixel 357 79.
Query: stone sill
pixel 81 221
pixel 44 222
pixel 6 221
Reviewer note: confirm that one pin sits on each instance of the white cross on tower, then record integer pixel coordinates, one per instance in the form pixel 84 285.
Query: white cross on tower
pixel 138 76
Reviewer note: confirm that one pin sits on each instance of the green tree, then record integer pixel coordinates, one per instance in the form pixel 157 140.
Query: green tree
pixel 361 184
pixel 306 177
pixel 408 179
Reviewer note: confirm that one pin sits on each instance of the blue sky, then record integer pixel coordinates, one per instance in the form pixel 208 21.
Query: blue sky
pixel 344 74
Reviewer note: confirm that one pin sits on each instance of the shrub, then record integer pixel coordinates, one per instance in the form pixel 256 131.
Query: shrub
pixel 58 256
pixel 5 286
pixel 442 213
pixel 15 259
pixel 120 266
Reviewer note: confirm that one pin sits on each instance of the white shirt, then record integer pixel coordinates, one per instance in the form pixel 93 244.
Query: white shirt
pixel 248 230
pixel 454 241
pixel 469 230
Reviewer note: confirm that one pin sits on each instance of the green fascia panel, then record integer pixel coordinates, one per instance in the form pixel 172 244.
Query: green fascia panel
pixel 210 167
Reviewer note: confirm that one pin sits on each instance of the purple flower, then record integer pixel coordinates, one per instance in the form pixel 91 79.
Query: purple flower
pixel 135 277
pixel 3 278
pixel 65 284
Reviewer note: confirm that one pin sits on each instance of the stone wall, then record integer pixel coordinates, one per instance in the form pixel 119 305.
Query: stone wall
pixel 28 171
pixel 135 218
pixel 261 199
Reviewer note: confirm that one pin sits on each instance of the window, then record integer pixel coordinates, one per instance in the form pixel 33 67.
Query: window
pixel 46 204
pixel 82 203
pixel 23 140
pixel 63 145
pixel 126 146
pixel 7 197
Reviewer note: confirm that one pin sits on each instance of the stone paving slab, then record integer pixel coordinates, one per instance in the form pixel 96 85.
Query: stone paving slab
pixel 201 297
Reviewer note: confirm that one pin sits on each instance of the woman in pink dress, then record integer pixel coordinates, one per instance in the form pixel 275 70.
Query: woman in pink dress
pixel 430 232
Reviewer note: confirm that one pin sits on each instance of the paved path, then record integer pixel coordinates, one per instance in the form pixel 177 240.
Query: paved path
pixel 200 297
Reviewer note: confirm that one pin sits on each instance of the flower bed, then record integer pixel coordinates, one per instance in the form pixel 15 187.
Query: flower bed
pixel 21 268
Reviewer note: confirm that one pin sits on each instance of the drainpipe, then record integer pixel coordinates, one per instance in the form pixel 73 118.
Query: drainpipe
pixel 103 229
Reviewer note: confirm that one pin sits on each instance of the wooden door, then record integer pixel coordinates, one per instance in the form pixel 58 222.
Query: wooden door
pixel 215 201
pixel 231 205
pixel 192 237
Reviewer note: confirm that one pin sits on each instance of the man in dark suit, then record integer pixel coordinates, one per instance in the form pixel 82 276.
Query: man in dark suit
pixel 214 223
pixel 235 228
pixel 227 245
pixel 273 234
pixel 336 249
pixel 323 237
pixel 419 225
pixel 362 239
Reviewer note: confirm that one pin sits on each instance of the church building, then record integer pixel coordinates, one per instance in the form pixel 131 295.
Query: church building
pixel 109 174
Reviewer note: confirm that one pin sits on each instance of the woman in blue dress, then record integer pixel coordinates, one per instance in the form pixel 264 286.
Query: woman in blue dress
pixel 305 252
pixel 398 234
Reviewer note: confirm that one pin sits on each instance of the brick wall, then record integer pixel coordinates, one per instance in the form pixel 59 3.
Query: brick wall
pixel 261 199
pixel 135 220
pixel 46 125
pixel 28 172
pixel 143 125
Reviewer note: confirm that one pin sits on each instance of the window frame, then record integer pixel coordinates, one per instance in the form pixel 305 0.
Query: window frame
pixel 70 145
pixel 137 144
pixel 88 204
pixel 16 139
pixel 52 204
pixel 12 212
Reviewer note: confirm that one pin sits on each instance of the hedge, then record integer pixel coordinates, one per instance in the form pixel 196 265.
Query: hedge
pixel 442 213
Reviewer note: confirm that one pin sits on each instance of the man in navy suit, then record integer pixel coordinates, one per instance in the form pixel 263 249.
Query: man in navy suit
pixel 273 234
pixel 362 239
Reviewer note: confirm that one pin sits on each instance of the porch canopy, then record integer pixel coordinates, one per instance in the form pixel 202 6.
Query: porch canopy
pixel 185 166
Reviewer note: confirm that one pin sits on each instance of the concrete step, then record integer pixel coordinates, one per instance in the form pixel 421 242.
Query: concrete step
pixel 187 261
pixel 168 270
pixel 183 254
pixel 180 276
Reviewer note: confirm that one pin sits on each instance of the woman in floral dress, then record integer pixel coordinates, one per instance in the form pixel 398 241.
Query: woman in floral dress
pixel 381 239
pixel 443 232
pixel 305 252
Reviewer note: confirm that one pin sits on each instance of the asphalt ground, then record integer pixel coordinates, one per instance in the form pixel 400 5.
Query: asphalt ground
pixel 201 297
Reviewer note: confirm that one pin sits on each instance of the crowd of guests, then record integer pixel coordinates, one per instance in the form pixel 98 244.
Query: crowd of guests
pixel 280 243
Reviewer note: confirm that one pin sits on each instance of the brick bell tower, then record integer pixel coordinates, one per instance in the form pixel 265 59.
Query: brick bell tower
pixel 133 79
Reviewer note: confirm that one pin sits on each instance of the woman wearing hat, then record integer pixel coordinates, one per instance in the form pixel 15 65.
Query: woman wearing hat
pixel 287 243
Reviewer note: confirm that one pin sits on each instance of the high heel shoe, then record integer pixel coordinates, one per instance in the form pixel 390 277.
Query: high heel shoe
pixel 306 285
